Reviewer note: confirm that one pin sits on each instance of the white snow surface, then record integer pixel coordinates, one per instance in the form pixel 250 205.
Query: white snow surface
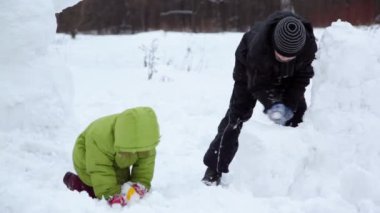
pixel 52 87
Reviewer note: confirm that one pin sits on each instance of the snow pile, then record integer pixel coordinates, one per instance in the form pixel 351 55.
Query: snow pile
pixel 345 113
pixel 345 89
pixel 35 85
pixel 20 18
pixel 344 119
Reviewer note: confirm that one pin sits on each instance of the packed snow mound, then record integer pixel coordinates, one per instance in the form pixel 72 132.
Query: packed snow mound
pixel 35 86
pixel 342 123
pixel 345 92
pixel 27 28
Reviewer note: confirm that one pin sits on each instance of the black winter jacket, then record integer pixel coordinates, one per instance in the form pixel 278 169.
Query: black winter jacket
pixel 259 76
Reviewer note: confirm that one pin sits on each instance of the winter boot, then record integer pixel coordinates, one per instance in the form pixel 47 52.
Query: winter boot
pixel 212 177
pixel 73 182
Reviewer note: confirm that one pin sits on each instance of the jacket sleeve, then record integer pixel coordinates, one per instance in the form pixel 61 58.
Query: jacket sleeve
pixel 297 87
pixel 301 78
pixel 143 169
pixel 242 101
pixel 99 165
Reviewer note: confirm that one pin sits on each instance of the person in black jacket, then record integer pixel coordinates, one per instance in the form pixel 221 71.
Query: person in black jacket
pixel 273 66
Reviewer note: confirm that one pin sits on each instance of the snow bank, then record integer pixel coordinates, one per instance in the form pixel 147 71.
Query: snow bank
pixel 35 103
pixel 344 115
pixel 35 88
pixel 345 88
pixel 27 29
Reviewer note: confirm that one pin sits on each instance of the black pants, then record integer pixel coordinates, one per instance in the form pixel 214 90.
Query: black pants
pixel 225 144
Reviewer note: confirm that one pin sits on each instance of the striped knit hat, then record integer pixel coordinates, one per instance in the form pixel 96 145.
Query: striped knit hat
pixel 289 36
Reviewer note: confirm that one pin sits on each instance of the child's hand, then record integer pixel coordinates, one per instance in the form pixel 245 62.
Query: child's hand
pixel 118 199
pixel 135 192
pixel 279 113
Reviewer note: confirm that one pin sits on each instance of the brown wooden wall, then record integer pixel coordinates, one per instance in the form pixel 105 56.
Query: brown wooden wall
pixel 323 12
pixel 131 16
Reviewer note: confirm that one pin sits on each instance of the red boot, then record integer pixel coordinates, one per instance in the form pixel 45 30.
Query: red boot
pixel 74 183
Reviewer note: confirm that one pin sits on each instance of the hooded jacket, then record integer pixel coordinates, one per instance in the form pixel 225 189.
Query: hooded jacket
pixel 259 76
pixel 116 149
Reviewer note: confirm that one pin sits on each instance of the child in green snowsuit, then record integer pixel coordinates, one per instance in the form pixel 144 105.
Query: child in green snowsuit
pixel 114 150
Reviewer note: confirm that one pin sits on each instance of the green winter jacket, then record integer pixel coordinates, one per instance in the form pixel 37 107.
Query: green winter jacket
pixel 116 149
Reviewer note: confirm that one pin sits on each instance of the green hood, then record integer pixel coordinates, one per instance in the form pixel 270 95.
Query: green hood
pixel 136 130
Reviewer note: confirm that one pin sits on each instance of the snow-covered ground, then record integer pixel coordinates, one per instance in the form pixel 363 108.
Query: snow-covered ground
pixel 53 86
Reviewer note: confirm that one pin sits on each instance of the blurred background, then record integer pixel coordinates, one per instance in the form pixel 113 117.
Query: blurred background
pixel 133 16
